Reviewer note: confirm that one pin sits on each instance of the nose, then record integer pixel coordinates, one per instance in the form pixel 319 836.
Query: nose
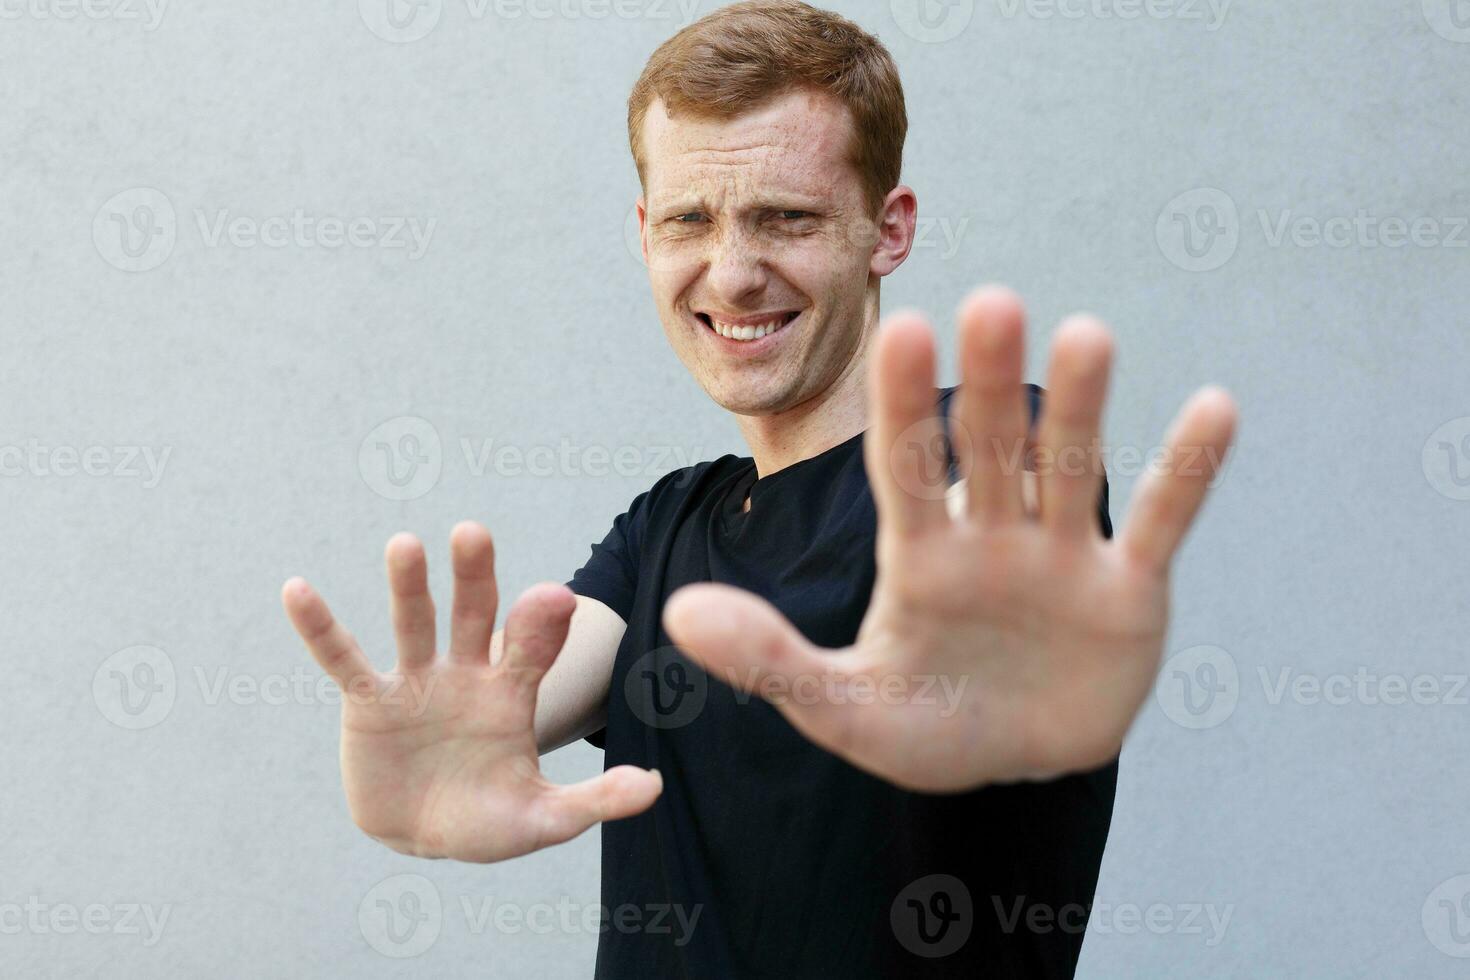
pixel 736 271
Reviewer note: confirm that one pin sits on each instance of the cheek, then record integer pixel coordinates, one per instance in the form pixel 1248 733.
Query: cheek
pixel 827 274
pixel 669 281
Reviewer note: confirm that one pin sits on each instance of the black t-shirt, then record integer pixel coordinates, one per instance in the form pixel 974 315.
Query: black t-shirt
pixel 767 856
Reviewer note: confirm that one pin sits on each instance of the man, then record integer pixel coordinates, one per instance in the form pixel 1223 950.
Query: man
pixel 913 802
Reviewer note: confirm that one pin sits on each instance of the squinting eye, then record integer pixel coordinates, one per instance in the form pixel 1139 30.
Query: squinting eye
pixel 689 218
pixel 794 215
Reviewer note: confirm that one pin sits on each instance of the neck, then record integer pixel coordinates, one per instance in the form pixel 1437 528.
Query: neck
pixel 827 419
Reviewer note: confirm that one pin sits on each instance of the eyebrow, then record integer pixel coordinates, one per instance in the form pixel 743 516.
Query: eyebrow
pixel 787 201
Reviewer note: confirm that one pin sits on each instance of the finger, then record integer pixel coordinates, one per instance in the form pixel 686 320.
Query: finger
pixel 535 629
pixel 1170 494
pixel 956 498
pixel 412 606
pixel 622 791
pixel 903 448
pixel 472 622
pixel 328 640
pixel 1068 440
pixel 991 437
pixel 743 640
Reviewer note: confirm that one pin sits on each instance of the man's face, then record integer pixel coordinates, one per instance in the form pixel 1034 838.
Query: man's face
pixel 758 225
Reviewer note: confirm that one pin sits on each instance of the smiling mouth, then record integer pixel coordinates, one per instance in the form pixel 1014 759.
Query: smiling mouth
pixel 749 328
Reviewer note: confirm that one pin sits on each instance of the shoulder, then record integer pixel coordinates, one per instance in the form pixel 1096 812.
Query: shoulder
pixel 678 485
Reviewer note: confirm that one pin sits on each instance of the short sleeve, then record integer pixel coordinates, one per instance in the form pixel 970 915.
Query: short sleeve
pixel 610 574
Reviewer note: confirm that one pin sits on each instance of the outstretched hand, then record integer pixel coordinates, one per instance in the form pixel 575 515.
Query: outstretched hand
pixel 1002 641
pixel 439 757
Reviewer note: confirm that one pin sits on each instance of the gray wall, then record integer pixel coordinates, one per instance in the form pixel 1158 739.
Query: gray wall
pixel 1056 153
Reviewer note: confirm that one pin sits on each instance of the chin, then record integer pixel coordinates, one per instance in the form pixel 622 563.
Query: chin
pixel 751 399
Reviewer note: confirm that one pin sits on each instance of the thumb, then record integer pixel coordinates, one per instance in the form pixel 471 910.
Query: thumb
pixel 742 639
pixel 622 791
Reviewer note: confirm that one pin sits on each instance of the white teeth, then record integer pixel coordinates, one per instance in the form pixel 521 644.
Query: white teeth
pixel 737 332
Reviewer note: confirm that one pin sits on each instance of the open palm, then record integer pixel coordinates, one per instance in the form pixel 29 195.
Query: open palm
pixel 439 757
pixel 1002 641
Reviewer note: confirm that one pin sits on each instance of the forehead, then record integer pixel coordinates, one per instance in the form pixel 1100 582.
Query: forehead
pixel 798 141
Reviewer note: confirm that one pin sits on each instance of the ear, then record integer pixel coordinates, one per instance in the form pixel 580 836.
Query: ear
pixel 896 221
